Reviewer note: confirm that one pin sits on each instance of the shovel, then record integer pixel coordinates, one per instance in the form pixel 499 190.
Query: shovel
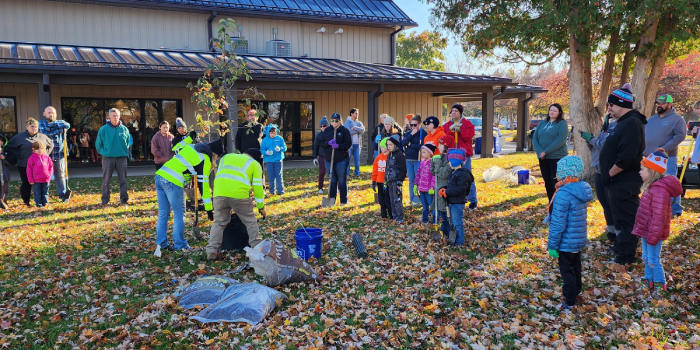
pixel 69 192
pixel 195 230
pixel 436 235
pixel 328 202
pixel 3 205
pixel 687 157
pixel 452 238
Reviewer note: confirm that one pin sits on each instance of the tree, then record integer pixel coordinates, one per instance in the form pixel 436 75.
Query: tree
pixel 421 51
pixel 538 31
pixel 681 79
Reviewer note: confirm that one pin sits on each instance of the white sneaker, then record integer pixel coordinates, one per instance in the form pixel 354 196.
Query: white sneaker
pixel 320 191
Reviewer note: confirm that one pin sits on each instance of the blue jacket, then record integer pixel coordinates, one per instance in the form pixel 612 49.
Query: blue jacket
pixel 568 227
pixel 413 143
pixel 269 144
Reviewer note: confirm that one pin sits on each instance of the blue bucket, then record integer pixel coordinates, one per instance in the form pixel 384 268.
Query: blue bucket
pixel 309 242
pixel 523 177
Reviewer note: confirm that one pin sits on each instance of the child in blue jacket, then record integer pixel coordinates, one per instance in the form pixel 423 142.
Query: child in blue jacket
pixel 273 148
pixel 568 227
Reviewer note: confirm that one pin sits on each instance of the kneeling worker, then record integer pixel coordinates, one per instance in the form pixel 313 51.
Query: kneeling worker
pixel 236 176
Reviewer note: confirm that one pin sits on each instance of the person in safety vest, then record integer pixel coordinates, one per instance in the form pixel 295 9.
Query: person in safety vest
pixel 192 160
pixel 236 176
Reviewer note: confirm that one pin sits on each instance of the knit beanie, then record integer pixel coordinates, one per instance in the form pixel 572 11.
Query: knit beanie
pixel 323 122
pixel 622 97
pixel 447 140
pixel 396 142
pixel 569 166
pixel 656 161
pixel 432 120
pixel 217 147
pixel 456 156
pixel 430 148
pixel 459 107
pixel 389 120
pixel 382 143
pixel 255 154
pixel 179 123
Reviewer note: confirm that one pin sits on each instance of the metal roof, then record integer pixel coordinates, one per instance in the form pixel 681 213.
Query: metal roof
pixel 382 12
pixel 136 62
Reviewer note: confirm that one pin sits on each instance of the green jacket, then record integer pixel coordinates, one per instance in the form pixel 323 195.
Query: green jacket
pixel 113 141
pixel 551 138
pixel 440 168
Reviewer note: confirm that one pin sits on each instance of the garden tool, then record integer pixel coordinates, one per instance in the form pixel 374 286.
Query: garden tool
pixel 452 238
pixel 3 205
pixel 69 192
pixel 436 235
pixel 195 230
pixel 687 157
pixel 328 202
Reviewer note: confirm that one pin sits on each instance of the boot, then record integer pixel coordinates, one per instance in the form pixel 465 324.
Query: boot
pixel 659 291
pixel 3 205
pixel 648 283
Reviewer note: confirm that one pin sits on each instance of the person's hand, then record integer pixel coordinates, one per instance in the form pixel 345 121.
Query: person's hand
pixel 586 136
pixel 431 191
pixel 263 213
pixel 553 253
pixel 269 153
pixel 260 205
pixel 660 149
pixel 443 193
pixel 374 186
pixel 31 183
pixel 316 162
pixel 455 127
pixel 210 215
pixel 542 155
pixel 277 148
pixel 415 190
pixel 414 131
pixel 436 157
pixel 353 128
pixel 2 157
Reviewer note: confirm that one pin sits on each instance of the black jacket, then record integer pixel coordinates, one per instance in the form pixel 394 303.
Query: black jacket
pixel 395 167
pixel 248 137
pixel 343 139
pixel 458 186
pixel 624 147
pixel 315 147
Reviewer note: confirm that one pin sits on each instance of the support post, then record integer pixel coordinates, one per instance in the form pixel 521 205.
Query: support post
pixel 232 119
pixel 525 121
pixel 487 125
pixel 520 140
pixel 44 93
pixel 372 117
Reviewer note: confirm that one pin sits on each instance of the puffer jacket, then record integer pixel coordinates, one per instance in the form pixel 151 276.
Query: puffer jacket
pixel 395 167
pixel 653 220
pixel 342 138
pixel 568 227
pixel 458 186
pixel 440 168
pixel 424 179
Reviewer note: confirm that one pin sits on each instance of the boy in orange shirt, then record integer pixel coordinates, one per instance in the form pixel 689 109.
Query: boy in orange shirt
pixel 378 171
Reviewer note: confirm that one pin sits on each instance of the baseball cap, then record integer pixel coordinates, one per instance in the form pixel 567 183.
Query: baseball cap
pixel 665 98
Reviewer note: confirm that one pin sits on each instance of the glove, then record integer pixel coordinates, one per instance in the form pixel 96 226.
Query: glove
pixel 374 186
pixel 553 253
pixel 415 190
pixel 436 157
pixel 431 191
pixel 269 153
pixel 315 162
pixel 193 135
pixel 263 213
pixel 260 205
pixel 586 136
pixel 455 127
pixel 443 193
pixel 277 148
pixel 333 144
pixel 210 215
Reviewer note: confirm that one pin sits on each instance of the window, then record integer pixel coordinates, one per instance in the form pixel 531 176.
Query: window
pixel 8 115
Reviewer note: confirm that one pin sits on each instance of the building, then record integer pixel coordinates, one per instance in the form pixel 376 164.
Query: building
pixel 310 58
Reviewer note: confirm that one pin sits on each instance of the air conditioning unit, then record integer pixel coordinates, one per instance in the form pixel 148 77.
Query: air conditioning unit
pixel 279 48
pixel 241 46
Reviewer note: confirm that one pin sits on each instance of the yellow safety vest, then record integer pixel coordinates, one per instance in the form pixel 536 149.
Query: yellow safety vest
pixel 178 169
pixel 180 145
pixel 236 175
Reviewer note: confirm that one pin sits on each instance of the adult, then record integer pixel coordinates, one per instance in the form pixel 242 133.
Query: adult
pixel 434 132
pixel 319 159
pixel 356 129
pixel 112 144
pixel 249 133
pixel 595 144
pixel 620 165
pixel 337 138
pixel 55 130
pixel 238 174
pixel 412 143
pixel 465 134
pixel 181 137
pixel 407 123
pixel 377 134
pixel 161 145
pixel 549 141
pixel 391 129
pixel 664 131
pixel 20 148
pixel 192 161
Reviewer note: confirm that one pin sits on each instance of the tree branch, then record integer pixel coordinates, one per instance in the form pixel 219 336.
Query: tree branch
pixel 519 58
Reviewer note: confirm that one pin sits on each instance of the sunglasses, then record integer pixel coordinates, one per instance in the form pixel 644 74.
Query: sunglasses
pixel 609 104
pixel 323 126
pixel 414 125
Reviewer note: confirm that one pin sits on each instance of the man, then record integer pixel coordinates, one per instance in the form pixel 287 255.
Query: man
pixel 55 130
pixel 377 134
pixel 620 163
pixel 664 131
pixel 356 130
pixel 249 133
pixel 113 144
pixel 236 176
pixel 465 133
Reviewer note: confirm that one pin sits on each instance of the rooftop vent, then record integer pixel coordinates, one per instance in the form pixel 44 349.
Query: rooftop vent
pixel 278 47
pixel 241 46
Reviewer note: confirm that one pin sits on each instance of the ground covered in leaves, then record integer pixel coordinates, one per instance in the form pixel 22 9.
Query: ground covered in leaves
pixel 82 276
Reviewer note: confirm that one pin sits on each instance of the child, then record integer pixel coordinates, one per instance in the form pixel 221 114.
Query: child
pixel 440 168
pixel 457 190
pixel 319 160
pixel 653 221
pixel 568 227
pixel 395 174
pixel 378 177
pixel 39 170
pixel 425 182
pixel 273 148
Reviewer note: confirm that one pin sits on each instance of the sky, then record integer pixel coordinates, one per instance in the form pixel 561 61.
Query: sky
pixel 420 13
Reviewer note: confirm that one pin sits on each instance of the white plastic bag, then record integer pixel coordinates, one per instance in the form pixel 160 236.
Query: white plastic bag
pixel 279 265
pixel 245 302
pixel 204 291
pixel 493 173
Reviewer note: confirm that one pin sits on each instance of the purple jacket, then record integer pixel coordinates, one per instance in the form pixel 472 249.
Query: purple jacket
pixel 39 168
pixel 424 179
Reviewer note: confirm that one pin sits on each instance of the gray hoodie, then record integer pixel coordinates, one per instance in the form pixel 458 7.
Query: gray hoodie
pixel 596 145
pixel 666 132
pixel 359 130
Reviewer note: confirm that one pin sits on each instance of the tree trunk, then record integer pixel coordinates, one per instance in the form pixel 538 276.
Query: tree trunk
pixel 626 62
pixel 581 109
pixel 607 75
pixel 643 63
pixel 232 117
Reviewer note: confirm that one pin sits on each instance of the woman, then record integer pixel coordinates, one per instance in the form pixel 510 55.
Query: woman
pixel 337 138
pixel 161 145
pixel 549 142
pixel 20 147
pixel 391 129
pixel 412 142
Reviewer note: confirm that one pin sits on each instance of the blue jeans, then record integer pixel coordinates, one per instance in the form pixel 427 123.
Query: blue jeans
pixel 274 172
pixel 355 154
pixel 339 178
pixel 672 169
pixel 412 171
pixel 471 198
pixel 457 215
pixel 41 193
pixel 59 171
pixel 651 255
pixel 170 196
pixel 427 200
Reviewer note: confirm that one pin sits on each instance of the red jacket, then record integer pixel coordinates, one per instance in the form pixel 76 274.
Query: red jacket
pixel 653 220
pixel 466 134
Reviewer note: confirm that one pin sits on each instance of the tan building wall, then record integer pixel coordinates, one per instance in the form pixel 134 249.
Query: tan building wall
pixel 54 22
pixel 26 101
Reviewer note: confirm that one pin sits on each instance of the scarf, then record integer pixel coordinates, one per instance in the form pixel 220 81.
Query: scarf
pixel 559 184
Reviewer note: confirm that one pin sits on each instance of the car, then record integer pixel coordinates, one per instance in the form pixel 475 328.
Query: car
pixel 533 123
pixel 477 126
